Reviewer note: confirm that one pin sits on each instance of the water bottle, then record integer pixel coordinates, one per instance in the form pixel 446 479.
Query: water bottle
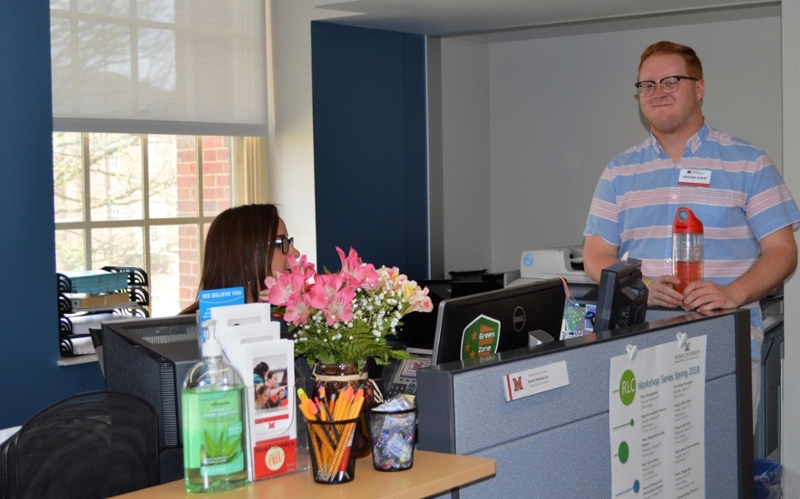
pixel 687 248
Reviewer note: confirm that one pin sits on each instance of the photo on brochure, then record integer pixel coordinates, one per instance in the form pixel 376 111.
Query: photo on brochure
pixel 270 384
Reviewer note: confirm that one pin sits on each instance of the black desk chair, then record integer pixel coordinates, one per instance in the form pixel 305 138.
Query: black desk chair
pixel 92 445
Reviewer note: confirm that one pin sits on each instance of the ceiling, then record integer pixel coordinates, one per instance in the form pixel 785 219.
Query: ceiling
pixel 508 20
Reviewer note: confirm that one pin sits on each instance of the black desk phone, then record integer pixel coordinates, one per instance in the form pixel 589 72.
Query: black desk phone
pixel 404 377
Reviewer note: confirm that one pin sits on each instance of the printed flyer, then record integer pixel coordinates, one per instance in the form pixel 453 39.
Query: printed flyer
pixel 657 422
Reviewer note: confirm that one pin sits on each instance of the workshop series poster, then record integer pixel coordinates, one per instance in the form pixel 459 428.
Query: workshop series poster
pixel 657 421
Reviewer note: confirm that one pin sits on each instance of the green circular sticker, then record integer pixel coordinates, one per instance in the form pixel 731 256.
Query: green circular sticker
pixel 623 452
pixel 627 387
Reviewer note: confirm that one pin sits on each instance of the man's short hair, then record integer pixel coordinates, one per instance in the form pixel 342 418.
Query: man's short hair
pixel 693 65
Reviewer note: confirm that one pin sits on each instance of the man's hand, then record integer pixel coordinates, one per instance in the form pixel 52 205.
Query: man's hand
pixel 705 296
pixel 662 292
pixel 777 261
pixel 702 296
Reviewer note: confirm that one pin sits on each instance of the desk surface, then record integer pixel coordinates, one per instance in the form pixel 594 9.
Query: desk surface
pixel 433 473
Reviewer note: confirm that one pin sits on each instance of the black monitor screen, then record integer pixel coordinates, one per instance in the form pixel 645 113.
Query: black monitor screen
pixel 497 321
pixel 621 297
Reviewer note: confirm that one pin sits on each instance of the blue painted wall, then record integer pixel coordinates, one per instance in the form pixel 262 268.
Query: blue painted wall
pixel 28 312
pixel 370 146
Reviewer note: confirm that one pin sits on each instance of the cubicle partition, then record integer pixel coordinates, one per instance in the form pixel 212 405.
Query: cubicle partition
pixel 556 443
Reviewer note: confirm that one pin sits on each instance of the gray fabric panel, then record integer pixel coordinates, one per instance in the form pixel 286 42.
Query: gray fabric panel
pixel 484 419
pixel 574 461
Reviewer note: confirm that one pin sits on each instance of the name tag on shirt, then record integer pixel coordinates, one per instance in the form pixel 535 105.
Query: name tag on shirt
pixel 693 177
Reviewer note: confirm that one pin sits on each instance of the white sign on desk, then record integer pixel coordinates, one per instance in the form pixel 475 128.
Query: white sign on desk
pixel 656 409
pixel 537 380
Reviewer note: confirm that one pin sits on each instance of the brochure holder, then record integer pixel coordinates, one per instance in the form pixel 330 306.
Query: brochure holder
pixel 250 338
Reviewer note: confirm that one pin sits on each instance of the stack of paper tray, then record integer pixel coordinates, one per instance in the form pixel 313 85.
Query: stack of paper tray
pixel 93 281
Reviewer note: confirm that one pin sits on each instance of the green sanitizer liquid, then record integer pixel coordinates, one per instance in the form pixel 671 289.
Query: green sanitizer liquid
pixel 214 422
pixel 213 440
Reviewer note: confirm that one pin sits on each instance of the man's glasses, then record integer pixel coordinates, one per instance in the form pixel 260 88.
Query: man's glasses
pixel 668 85
pixel 285 243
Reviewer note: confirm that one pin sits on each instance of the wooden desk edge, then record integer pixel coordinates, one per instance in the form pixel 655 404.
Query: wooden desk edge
pixel 458 471
pixel 433 474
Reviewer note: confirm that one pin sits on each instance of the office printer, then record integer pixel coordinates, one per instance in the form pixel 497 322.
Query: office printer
pixel 566 262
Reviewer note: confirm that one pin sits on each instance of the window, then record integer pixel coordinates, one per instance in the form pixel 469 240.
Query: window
pixel 139 87
pixel 123 199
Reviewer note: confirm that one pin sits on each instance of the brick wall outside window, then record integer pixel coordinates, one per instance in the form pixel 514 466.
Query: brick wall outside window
pixel 216 157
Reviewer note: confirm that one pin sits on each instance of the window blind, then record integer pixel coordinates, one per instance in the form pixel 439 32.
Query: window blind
pixel 188 67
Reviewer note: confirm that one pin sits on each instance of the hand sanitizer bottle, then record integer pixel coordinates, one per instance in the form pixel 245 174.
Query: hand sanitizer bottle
pixel 214 417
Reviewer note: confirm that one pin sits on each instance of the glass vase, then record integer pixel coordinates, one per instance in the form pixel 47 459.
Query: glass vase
pixel 337 377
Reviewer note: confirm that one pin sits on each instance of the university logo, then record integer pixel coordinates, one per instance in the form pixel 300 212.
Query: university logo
pixel 480 338
pixel 517 383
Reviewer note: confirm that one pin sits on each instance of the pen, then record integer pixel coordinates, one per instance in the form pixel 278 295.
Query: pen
pixel 355 407
pixel 342 407
pixel 332 404
pixel 324 403
pixel 302 395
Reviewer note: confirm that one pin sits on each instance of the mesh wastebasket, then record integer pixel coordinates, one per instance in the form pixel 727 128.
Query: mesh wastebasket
pixel 392 438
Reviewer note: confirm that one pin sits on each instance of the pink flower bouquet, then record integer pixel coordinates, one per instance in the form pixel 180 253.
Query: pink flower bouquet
pixel 344 317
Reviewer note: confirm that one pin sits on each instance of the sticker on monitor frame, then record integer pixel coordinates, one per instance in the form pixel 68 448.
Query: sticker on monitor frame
pixel 480 338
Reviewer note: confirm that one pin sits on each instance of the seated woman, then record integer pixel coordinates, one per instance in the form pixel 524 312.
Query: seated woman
pixel 244 246
pixel 241 250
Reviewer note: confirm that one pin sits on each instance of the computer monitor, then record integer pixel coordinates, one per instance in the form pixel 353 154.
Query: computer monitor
pixel 150 358
pixel 419 329
pixel 478 325
pixel 621 297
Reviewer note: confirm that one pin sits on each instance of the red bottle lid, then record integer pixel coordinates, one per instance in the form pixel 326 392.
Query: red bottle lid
pixel 686 223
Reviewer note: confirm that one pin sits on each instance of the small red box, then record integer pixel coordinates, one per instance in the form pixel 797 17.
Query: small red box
pixel 274 457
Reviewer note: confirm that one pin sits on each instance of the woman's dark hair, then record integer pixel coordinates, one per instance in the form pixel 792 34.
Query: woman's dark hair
pixel 238 250
pixel 262 368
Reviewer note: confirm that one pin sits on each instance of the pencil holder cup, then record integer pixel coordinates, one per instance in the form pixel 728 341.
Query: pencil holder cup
pixel 393 437
pixel 333 458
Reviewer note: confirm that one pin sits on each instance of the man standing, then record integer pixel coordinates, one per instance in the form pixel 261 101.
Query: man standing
pixel 747 212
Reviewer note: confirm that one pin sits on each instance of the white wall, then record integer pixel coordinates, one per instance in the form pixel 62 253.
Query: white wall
pixel 291 132
pixel 465 155
pixel 562 107
pixel 790 384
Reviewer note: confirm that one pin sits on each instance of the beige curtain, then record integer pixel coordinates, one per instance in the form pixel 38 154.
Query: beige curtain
pixel 250 171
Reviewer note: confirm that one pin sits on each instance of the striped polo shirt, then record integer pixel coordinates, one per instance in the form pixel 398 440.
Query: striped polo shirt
pixel 638 194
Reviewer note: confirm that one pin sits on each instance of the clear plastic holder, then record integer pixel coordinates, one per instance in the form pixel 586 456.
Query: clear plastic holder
pixel 573 322
pixel 303 455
